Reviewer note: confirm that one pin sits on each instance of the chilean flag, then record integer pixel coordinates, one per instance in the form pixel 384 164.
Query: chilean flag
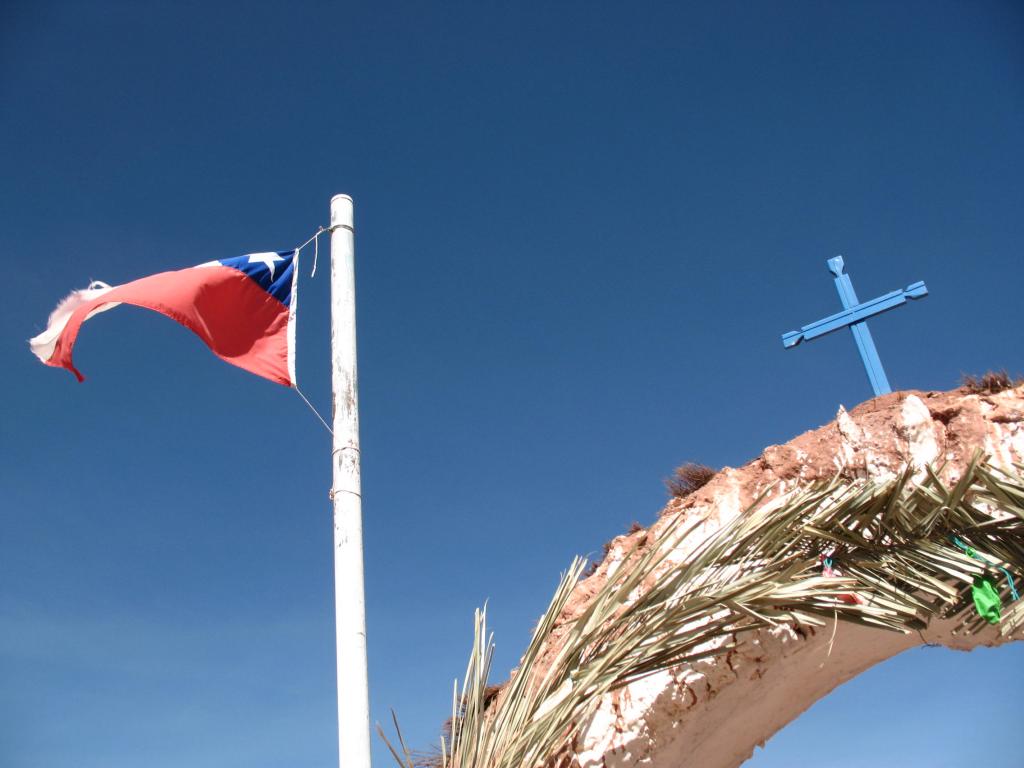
pixel 242 308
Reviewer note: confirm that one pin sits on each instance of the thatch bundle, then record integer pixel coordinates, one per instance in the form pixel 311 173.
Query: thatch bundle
pixel 911 551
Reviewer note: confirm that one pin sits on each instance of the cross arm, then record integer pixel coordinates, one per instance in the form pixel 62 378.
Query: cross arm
pixel 854 314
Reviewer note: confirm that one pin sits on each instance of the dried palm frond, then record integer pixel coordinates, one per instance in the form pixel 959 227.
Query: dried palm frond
pixel 901 569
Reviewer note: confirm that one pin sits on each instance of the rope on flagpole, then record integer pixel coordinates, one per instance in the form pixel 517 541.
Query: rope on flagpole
pixel 313 408
pixel 316 250
pixel 315 240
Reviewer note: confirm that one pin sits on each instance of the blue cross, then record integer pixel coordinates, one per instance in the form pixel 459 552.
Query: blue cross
pixel 854 315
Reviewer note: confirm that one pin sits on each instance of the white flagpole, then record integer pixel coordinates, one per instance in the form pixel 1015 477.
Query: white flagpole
pixel 349 605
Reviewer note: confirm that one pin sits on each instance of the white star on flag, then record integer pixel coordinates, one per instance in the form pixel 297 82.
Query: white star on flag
pixel 266 259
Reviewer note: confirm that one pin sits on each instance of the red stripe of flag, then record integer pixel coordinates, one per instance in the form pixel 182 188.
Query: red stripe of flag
pixel 238 320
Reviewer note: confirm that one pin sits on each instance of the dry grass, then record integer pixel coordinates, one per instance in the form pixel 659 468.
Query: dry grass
pixel 688 478
pixel 989 383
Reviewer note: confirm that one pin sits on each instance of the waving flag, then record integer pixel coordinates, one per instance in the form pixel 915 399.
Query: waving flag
pixel 242 308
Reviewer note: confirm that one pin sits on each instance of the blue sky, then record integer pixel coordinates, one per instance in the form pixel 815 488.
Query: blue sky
pixel 581 228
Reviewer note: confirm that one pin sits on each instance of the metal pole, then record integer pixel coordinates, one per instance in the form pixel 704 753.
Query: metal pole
pixel 349 604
